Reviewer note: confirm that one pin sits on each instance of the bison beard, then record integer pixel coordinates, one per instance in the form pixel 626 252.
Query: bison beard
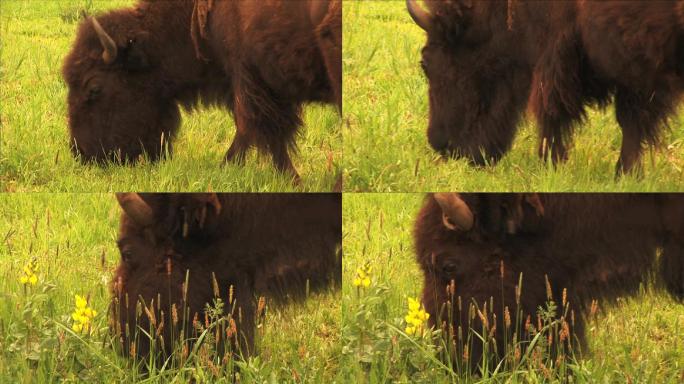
pixel 277 245
pixel 485 60
pixel 130 69
pixel 597 246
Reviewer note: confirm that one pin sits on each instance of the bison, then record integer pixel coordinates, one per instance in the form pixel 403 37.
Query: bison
pixel 480 247
pixel 179 252
pixel 486 60
pixel 130 70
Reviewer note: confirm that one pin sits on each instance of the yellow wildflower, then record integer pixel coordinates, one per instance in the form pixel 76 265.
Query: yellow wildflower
pixel 29 276
pixel 363 275
pixel 82 316
pixel 416 317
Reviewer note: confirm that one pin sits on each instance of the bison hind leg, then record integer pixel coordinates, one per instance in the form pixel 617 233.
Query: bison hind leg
pixel 238 149
pixel 641 117
pixel 281 159
pixel 278 136
pixel 271 126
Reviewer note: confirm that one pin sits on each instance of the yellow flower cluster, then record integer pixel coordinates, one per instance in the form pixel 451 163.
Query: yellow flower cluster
pixel 29 276
pixel 416 317
pixel 83 315
pixel 363 275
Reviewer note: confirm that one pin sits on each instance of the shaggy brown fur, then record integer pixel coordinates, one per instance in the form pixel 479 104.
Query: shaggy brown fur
pixel 486 60
pixel 261 244
pixel 262 60
pixel 598 246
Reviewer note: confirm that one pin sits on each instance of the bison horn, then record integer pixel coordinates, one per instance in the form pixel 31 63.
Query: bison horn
pixel 455 212
pixel 136 208
pixel 110 50
pixel 418 14
pixel 317 11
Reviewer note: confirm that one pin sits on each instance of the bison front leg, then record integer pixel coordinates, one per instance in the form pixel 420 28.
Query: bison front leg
pixel 672 256
pixel 282 160
pixel 640 117
pixel 672 267
pixel 557 99
pixel 279 132
pixel 243 313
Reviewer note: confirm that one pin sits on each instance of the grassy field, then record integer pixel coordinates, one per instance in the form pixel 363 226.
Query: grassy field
pixel 386 109
pixel 72 238
pixel 34 154
pixel 638 340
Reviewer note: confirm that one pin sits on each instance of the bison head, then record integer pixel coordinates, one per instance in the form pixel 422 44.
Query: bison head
pixel 461 241
pixel 161 238
pixel 477 86
pixel 118 105
pixel 475 228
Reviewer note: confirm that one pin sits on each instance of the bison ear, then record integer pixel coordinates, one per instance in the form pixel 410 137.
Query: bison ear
pixel 532 199
pixel 199 210
pixel 135 58
pixel 524 208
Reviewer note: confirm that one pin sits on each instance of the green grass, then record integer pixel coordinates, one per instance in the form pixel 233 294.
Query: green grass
pixel 72 237
pixel 34 153
pixel 637 340
pixel 386 109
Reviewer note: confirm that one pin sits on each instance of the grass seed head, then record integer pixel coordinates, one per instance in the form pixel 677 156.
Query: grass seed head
pixel 565 331
pixel 594 308
pixel 230 294
pixel 261 306
pixel 214 284
pixel 150 314
pixel 174 314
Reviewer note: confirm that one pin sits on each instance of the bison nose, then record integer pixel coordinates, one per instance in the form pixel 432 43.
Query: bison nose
pixel 83 155
pixel 438 138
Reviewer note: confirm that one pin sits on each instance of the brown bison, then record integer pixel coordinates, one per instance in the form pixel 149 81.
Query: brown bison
pixel 276 245
pixel 486 60
pixel 597 246
pixel 130 69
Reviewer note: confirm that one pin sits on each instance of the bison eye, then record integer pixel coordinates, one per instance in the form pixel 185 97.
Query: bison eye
pixel 424 66
pixel 450 269
pixel 94 92
pixel 126 255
